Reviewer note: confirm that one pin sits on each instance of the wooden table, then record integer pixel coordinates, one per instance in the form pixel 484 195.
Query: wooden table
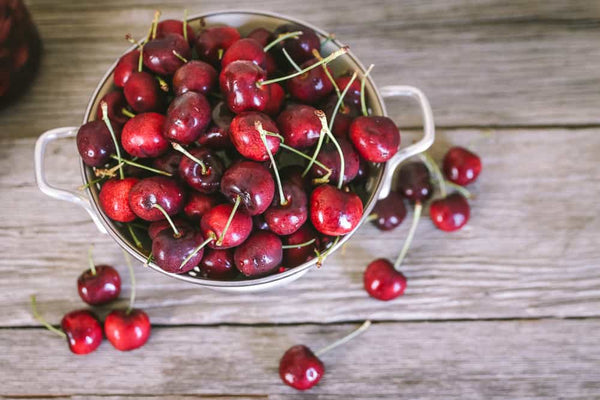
pixel 508 307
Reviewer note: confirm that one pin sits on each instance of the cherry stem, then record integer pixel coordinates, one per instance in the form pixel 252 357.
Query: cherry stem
pixel 372 217
pixel 42 321
pixel 435 171
pixel 127 113
pixel 155 23
pixel 238 200
pixel 263 136
pixel 340 100
pixel 182 149
pixel 277 135
pixel 313 159
pixel 289 58
pixel 137 242
pixel 329 38
pixel 411 234
pixel 325 60
pixel 182 58
pixel 317 55
pixel 220 53
pixel 282 37
pixel 176 232
pixel 297 246
pixel 363 103
pixel 104 107
pixel 460 189
pixel 365 325
pixel 321 256
pixel 140 46
pixel 164 86
pixel 148 259
pixel 324 178
pixel 196 250
pixel 132 277
pixel 142 166
pixel 91 261
pixel 90 183
pixel 323 119
pixel 185 17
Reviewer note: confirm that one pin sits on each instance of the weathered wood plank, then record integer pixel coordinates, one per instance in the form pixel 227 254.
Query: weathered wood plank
pixel 530 249
pixel 451 360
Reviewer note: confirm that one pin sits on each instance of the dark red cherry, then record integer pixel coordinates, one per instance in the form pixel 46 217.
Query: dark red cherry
pixel 376 138
pixel 334 212
pixel 100 287
pixel 450 213
pixel 218 264
pixel 287 219
pixel 260 254
pixel 259 223
pixel 311 86
pixel 299 126
pixel 157 227
pixel 169 250
pixel 347 112
pixel 252 182
pixel 215 137
pixel 295 256
pixel 165 192
pixel 169 26
pixel 330 157
pixel 115 102
pixel 168 162
pixel 389 212
pixel 239 84
pixel 382 281
pixel 205 181
pixel 187 117
pixel 83 330
pixel 414 182
pixel 246 138
pixel 211 43
pixel 293 174
pixel 194 76
pixel 276 99
pixel 127 65
pixel 127 330
pixel 114 199
pixel 142 92
pixel 353 94
pixel 301 48
pixel 142 136
pixel 214 221
pixel 300 368
pixel 363 171
pixel 245 49
pixel 199 204
pixel 95 144
pixel 159 57
pixel 461 166
pixel 264 37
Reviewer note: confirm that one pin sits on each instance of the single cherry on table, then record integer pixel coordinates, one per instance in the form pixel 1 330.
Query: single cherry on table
pixel 100 284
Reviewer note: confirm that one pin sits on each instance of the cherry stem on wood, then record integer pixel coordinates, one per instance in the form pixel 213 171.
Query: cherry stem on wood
pixel 460 189
pixel 104 107
pixel 363 103
pixel 365 325
pixel 238 200
pixel 42 321
pixel 282 37
pixel 263 137
pixel 411 234
pixel 91 261
pixel 297 246
pixel 186 153
pixel 176 232
pixel 142 166
pixel 132 278
pixel 435 171
pixel 338 104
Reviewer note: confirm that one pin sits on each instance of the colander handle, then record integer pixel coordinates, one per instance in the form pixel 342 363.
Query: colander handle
pixel 40 173
pixel 416 148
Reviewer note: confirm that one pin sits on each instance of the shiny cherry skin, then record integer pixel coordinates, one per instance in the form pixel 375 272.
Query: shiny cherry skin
pixel 95 144
pixel 83 330
pixel 159 57
pixel 363 171
pixel 260 254
pixel 240 84
pixel 142 92
pixel 389 212
pixel 157 227
pixel 299 126
pixel 311 86
pixel 166 192
pixel 450 213
pixel 168 162
pixel 461 166
pixel 212 41
pixel 142 136
pixel 187 117
pixel 215 137
pixel 194 76
pixel 127 65
pixel 259 223
pixel 170 26
pixel 115 102
pixel 218 264
pixel 353 94
pixel 100 288
pixel 191 172
pixel 199 204
pixel 347 112
pixel 246 138
pixel 264 37
pixel 287 219
pixel 252 182
pixel 414 182
pixel 300 49
pixel 376 138
pixel 330 157
pixel 300 368
pixel 127 331
pixel 382 281
pixel 170 251
pixel 114 199
pixel 333 211
pixel 295 256
pixel 245 49
pixel 213 222
pixel 276 98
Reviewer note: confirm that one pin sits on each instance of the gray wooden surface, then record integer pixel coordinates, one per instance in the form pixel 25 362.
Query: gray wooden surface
pixel 506 308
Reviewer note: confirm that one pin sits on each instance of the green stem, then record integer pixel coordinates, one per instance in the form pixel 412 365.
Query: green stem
pixel 176 232
pixel 238 200
pixel 142 166
pixel 137 242
pixel 132 277
pixel 263 137
pixel 185 17
pixel 321 256
pixel 91 261
pixel 42 321
pixel 317 55
pixel 127 113
pixel 182 58
pixel 104 107
pixel 363 103
pixel 435 171
pixel 282 37
pixel 291 61
pixel 164 86
pixel 90 183
pixel 340 100
pixel 323 179
pixel 186 153
pixel 313 159
pixel 155 23
pixel 321 115
pixel 196 250
pixel 148 259
pixel 411 234
pixel 345 339
pixel 462 190
pixel 296 246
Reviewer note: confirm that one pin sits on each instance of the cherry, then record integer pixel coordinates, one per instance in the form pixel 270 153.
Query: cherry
pixel 168 162
pixel 204 176
pixel 170 26
pixel 330 157
pixel 247 139
pixel 376 138
pixel 95 144
pixel 211 43
pixel 142 92
pixel 187 117
pixel 333 211
pixel 199 204
pixel 126 66
pixel 157 227
pixel 287 219
pixel 177 252
pixel 99 284
pixel 159 53
pixel 127 330
pixel 312 85
pixel 276 98
pixel 260 254
pixel 346 113
pixel 389 212
pixel 353 94
pixel 194 76
pixel 299 126
pixel 450 213
pixel 296 255
pixel 147 194
pixel 116 103
pixel 252 183
pixel 382 281
pixel 245 49
pixel 215 137
pixel 215 222
pixel 114 199
pixel 218 264
pixel 461 166
pixel 363 170
pixel 142 136
pixel 300 48
pixel 414 182
pixel 264 37
pixel 238 81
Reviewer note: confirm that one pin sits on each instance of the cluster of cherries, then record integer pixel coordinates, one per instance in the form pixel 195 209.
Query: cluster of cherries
pixel 125 329
pixel 196 138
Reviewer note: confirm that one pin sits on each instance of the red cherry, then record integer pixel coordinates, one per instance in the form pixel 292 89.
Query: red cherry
pixel 294 256
pixel 382 281
pixel 311 86
pixel 83 330
pixel 300 48
pixel 159 57
pixel 239 84
pixel 115 102
pixel 215 137
pixel 127 65
pixel 169 26
pixel 353 94
pixel 95 144
pixel 376 138
pixel 212 41
pixel 187 117
pixel 299 126
pixel 252 183
pixel 177 253
pixel 218 264
pixel 287 219
pixel 114 199
pixel 168 162
pixel 194 76
pixel 246 138
pixel 199 204
pixel 260 254
pixel 245 49
pixel 127 330
pixel 213 223
pixel 142 136
pixel 165 192
pixel 100 286
pixel 389 212
pixel 142 92
pixel 264 37
pixel 157 227
pixel 333 211
pixel 207 180
pixel 461 166
pixel 330 157
pixel 414 182
pixel 346 113
pixel 276 99
pixel 450 213
pixel 300 368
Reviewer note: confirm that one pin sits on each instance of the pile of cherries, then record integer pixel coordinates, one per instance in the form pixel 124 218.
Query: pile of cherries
pixel 189 144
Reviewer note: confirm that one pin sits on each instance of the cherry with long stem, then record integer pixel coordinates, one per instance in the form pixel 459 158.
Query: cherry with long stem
pixel 363 103
pixel 340 100
pixel 238 200
pixel 263 136
pixel 358 331
pixel 317 55
pixel 321 115
pixel 176 232
pixel 186 153
pixel 42 321
pixel 104 107
pixel 282 37
pixel 196 250
pixel 313 159
pixel 434 170
pixel 91 261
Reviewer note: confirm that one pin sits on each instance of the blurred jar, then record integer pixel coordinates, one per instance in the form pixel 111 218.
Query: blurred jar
pixel 20 49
